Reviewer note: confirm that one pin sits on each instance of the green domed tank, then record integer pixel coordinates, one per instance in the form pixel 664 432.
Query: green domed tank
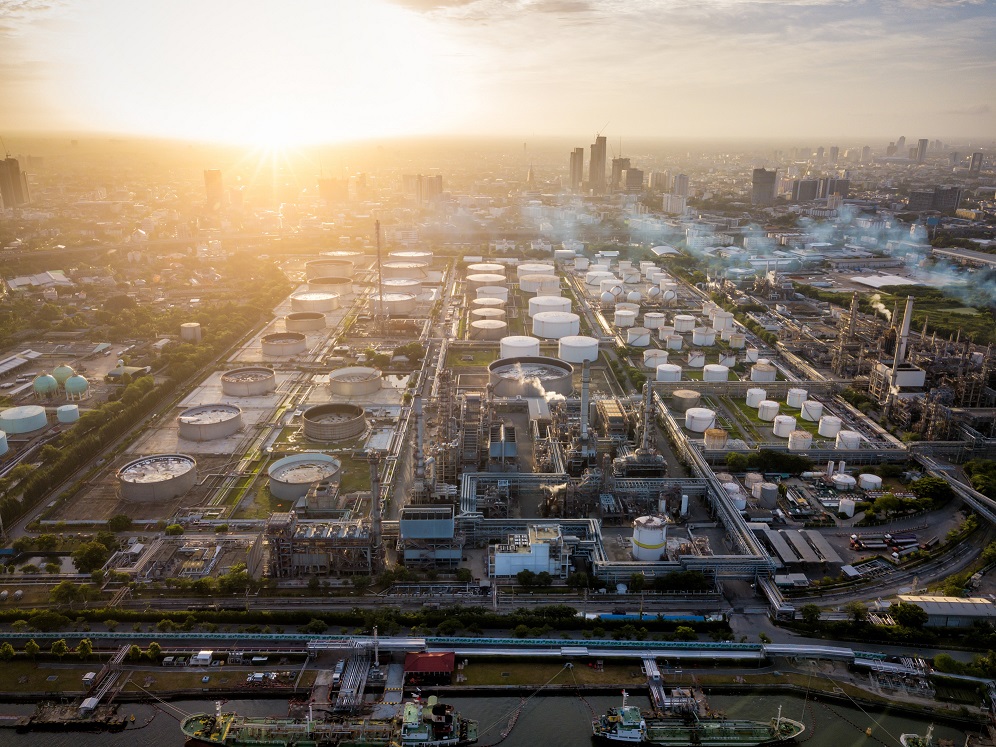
pixel 76 384
pixel 62 373
pixel 45 384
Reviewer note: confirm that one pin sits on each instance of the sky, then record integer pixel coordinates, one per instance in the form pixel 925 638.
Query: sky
pixel 304 71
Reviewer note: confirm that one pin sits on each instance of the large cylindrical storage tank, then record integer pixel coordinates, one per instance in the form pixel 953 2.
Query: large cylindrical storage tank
pixel 322 301
pixel 340 286
pixel 533 376
pixel 763 372
pixel 630 277
pixel 654 320
pixel 208 422
pixel 403 285
pixel 767 410
pixel 626 306
pixel 654 357
pixel 812 410
pixel 542 284
pixel 649 538
pixel 699 419
pixel 24 419
pixel 552 325
pixel 727 359
pixel 767 492
pixel 665 332
pixel 488 329
pixel 354 381
pixel 577 349
pixel 533 268
pixel 738 340
pixel 414 255
pixel 161 477
pixel 401 268
pixel 248 382
pixel 484 280
pixel 493 291
pixel 190 332
pixel 783 425
pixel 581 263
pixel 715 438
pixel 564 255
pixel 394 304
pixel 4 448
pixel 283 344
pixel 684 399
pixel 843 483
pixel 638 337
pixel 304 321
pixel 67 413
pixel 723 320
pixel 488 303
pixel 613 285
pixel 704 336
pixel 353 256
pixel 595 277
pixel 487 313
pixel 796 397
pixel 668 372
pixel 519 346
pixel 752 355
pixel 829 426
pixel 736 495
pixel 848 440
pixel 714 372
pixel 755 397
pixel 290 478
pixel 333 422
pixel 673 342
pixel 696 359
pixel 329 267
pixel 490 267
pixel 684 323
pixel 548 303
pixel 869 482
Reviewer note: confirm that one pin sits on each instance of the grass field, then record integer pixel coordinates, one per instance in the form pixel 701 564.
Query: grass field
pixel 535 673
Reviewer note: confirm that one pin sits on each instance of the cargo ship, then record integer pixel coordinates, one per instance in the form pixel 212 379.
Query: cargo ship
pixel 628 725
pixel 432 724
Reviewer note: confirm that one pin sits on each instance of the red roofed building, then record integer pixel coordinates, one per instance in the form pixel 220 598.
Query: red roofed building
pixel 430 668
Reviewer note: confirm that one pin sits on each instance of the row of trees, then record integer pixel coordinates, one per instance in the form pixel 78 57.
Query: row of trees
pixel 59 649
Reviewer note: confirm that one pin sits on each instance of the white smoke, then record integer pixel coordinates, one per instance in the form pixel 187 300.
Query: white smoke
pixel 876 302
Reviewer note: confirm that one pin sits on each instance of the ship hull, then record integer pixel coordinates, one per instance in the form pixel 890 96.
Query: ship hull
pixel 702 734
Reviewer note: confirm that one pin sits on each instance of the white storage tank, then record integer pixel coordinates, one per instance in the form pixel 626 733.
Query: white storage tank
pixel 488 267
pixel 487 313
pixel 548 303
pixel 595 277
pixel 157 478
pixel 752 355
pixel 519 346
pixel 418 255
pixel 634 297
pixel 696 359
pixel 542 284
pixel 488 329
pixel 812 410
pixel 487 303
pixel 552 325
pixel 484 280
pixel 653 293
pixel 846 507
pixel 848 440
pixel 755 396
pixel 563 255
pixel 577 349
pixel 248 382
pixel 340 286
pixel 533 268
pixel 767 410
pixel 715 438
pixel 333 422
pixel 321 301
pixel 493 291
pixel 401 268
pixel 668 372
pixel 763 372
pixel 394 304
pixel 190 332
pixel 625 318
pixel 630 277
pixel 24 419
pixel 626 306
pixel 581 263
pixel 766 494
pixel 283 344
pixel 665 332
pixel 699 419
pixel 738 340
pixel 67 413
pixel 723 320
pixel 869 482
pixel 291 477
pixel 796 397
pixel 800 440
pixel 684 399
pixel 654 357
pixel 208 422
pixel 715 372
pixel 4 448
pixel 736 495
pixel 649 538
pixel 829 426
pixel 654 320
pixel 783 425
pixel 727 359
pixel 400 285
pixel 705 336
pixel 354 381
pixel 684 323
pixel 611 285
pixel 673 342
pixel 304 321
pixel 843 483
pixel 607 298
pixel 638 337
pixel 329 267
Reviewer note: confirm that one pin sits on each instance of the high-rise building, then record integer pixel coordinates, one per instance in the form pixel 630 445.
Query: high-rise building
pixel 763 187
pixel 673 204
pixel 831 185
pixel 804 190
pixel 891 150
pixel 214 189
pixel 596 165
pixel 866 154
pixel 682 186
pixel 619 165
pixel 660 180
pixel 577 169
pixel 921 149
pixel 632 180
pixel 942 199
pixel 421 187
pixel 819 154
pixel 834 153
pixel 13 184
pixel 976 165
pixel 901 142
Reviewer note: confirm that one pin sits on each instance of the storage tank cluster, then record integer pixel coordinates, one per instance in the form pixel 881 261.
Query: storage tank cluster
pixel 252 381
pixel 284 344
pixel 765 493
pixel 290 478
pixel 552 325
pixel 161 477
pixel 577 349
pixel 649 538
pixel 334 422
pixel 736 495
pixel 209 422
pixel 354 381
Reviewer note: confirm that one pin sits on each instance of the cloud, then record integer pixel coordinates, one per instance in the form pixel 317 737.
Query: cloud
pixel 971 111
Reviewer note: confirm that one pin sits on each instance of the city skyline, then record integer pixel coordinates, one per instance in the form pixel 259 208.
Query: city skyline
pixel 317 72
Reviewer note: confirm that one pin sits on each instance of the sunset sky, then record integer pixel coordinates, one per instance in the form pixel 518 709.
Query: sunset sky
pixel 303 71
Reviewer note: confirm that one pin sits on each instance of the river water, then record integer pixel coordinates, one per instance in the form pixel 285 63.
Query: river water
pixel 545 721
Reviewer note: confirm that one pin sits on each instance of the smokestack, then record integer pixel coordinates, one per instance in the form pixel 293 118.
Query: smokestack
pixel 585 384
pixel 648 407
pixel 419 439
pixel 375 529
pixel 830 469
pixel 904 333
pixel 379 308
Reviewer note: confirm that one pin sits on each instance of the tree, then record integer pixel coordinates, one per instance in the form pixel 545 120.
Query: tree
pixel 932 489
pixel 60 648
pixel 361 583
pixel 154 651
pixel 637 582
pixel 887 504
pixel 6 651
pixel 909 615
pixel 464 575
pixel 811 614
pixel 314 584
pixel 685 633
pixel 134 653
pixel 47 542
pixel 544 579
pixel 764 638
pixel 119 523
pixel 856 611
pixel 31 649
pixel 736 462
pixel 67 592
pixel 315 626
pixel 526 578
pixel 84 648
pixel 90 556
pixel 173 530
pixel 578 580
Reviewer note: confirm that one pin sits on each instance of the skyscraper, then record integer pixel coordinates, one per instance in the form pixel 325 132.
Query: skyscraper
pixel 866 153
pixel 214 189
pixel 682 186
pixel 13 184
pixel 834 153
pixel 763 187
pixel 921 150
pixel 577 169
pixel 619 165
pixel 976 165
pixel 804 190
pixel 632 180
pixel 596 165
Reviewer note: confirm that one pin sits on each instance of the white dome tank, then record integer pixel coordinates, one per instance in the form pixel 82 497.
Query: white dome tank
pixel 548 303
pixel 638 337
pixel 625 318
pixel 611 285
pixel 755 396
pixel 581 263
pixel 493 291
pixel 752 355
pixel 542 284
pixel 829 426
pixel 723 320
pixel 843 483
pixel 668 295
pixel 607 298
pixel 634 296
pixel 552 325
pixel 812 410
pixel 715 372
pixel 705 336
pixel 869 482
pixel 699 419
pixel 577 349
pixel 668 372
pixel 767 410
pixel 674 342
pixel 715 438
pixel 649 538
pixel 519 346
pixel 696 359
pixel 653 292
pixel 654 357
pixel 684 323
pixel 654 320
pixel 783 425
pixel 67 413
pixel 738 340
pixel 796 397
pixel 533 268
pixel 848 440
pixel 763 372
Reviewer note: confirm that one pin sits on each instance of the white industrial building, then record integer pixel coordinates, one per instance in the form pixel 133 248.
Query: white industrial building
pixel 541 548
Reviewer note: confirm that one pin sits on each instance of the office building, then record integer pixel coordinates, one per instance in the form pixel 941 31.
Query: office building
pixel 632 180
pixel 660 180
pixel 596 166
pixel 942 199
pixel 422 188
pixel 834 154
pixel 921 149
pixel 577 169
pixel 976 165
pixel 214 189
pixel 682 185
pixel 763 187
pixel 673 204
pixel 13 184
pixel 866 154
pixel 831 185
pixel 804 190
pixel 619 165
